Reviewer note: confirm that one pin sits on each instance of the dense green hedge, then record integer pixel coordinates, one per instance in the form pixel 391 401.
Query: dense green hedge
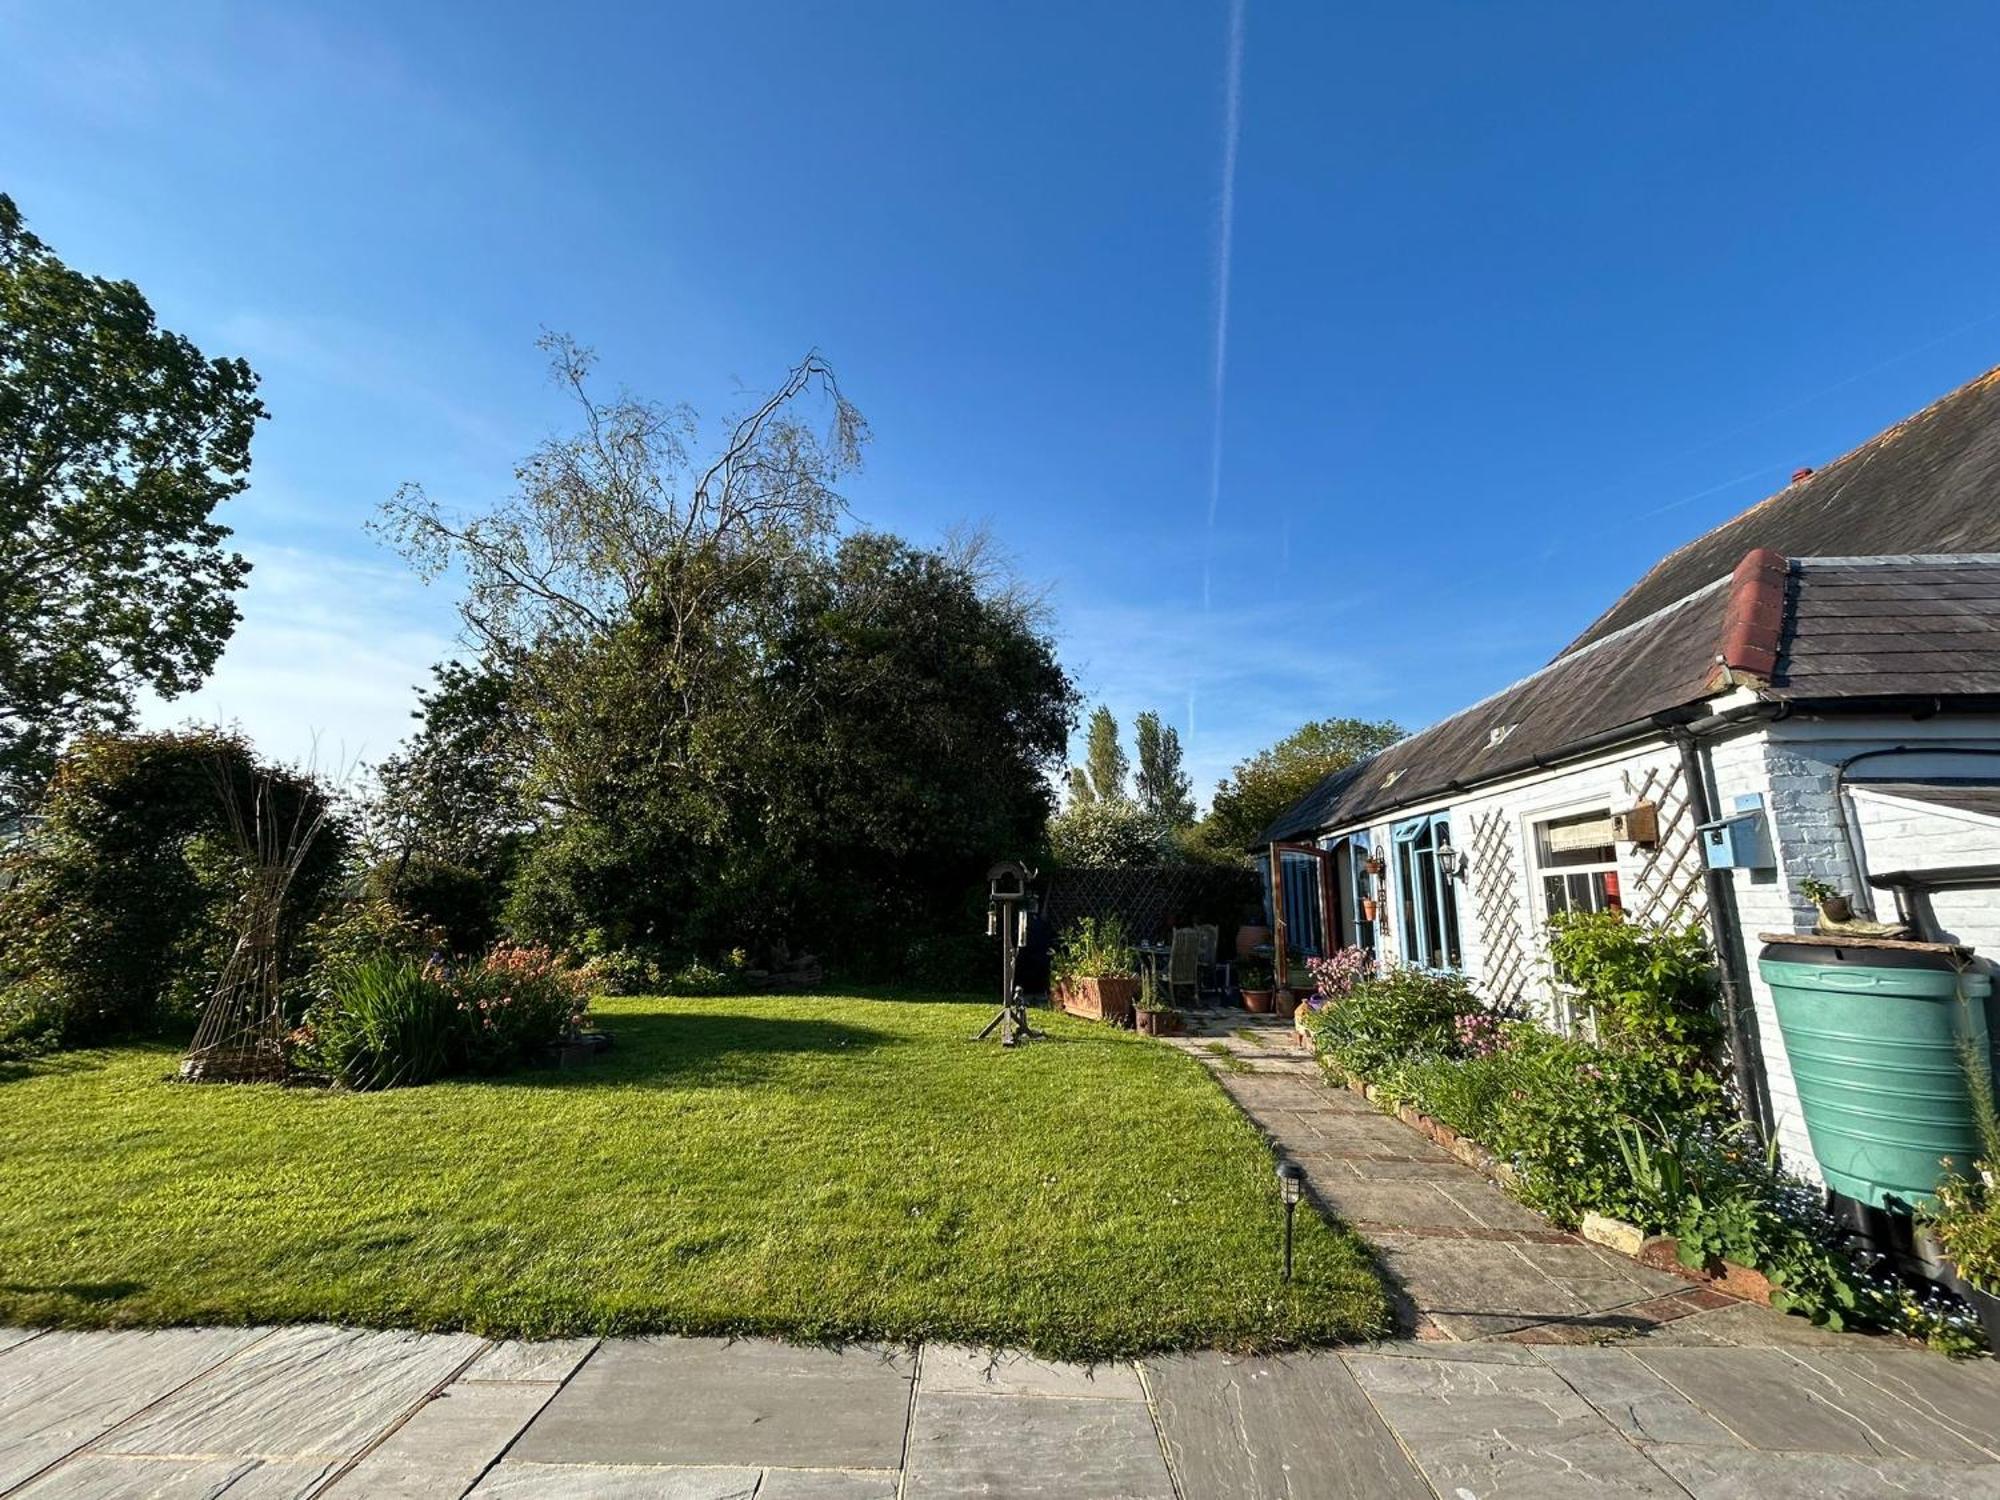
pixel 117 910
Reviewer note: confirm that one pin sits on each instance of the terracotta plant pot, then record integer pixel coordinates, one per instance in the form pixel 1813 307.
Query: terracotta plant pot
pixel 1099 999
pixel 1250 939
pixel 1258 1002
pixel 1368 907
pixel 1284 1003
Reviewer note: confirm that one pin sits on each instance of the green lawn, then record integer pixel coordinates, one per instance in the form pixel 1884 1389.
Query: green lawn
pixel 816 1168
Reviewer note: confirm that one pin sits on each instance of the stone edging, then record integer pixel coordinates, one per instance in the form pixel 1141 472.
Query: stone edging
pixel 1659 1252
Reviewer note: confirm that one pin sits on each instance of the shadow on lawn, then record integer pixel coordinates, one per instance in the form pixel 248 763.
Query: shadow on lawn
pixel 80 1291
pixel 696 1050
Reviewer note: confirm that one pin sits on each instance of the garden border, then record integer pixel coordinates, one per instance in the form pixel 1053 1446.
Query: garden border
pixel 1659 1252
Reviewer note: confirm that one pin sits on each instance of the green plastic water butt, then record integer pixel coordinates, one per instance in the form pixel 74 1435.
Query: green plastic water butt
pixel 1874 1038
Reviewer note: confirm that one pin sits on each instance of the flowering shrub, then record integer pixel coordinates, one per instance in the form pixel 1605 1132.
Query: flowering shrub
pixel 1335 976
pixel 514 1003
pixel 392 1020
pixel 1386 1020
pixel 1480 1034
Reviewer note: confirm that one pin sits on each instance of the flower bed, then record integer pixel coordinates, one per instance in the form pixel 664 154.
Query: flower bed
pixel 390 1020
pixel 1631 1127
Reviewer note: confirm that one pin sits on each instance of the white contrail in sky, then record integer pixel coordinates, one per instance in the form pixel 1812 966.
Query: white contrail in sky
pixel 1225 233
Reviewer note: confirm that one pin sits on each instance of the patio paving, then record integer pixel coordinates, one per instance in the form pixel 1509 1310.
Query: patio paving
pixel 304 1413
pixel 1539 1366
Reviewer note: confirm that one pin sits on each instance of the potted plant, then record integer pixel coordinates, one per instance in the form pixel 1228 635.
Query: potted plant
pixel 1369 907
pixel 1092 970
pixel 1375 864
pixel 1251 933
pixel 1833 905
pixel 1253 978
pixel 1151 1014
pixel 1966 1222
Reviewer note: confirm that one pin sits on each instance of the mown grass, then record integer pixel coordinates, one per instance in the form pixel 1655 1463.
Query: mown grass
pixel 819 1169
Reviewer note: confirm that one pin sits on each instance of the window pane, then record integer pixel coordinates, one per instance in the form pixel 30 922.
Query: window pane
pixel 1581 840
pixel 1554 896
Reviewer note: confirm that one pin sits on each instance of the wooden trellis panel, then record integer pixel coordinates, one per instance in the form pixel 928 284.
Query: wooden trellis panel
pixel 1668 888
pixel 1496 897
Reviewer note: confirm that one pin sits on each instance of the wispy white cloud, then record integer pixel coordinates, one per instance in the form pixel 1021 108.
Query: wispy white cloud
pixel 372 362
pixel 326 661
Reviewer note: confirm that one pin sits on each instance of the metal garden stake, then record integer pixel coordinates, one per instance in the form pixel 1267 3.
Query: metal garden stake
pixel 1291 1180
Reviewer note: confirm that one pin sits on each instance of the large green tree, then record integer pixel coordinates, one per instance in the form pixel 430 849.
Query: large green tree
pixel 118 440
pixel 453 790
pixel 1105 765
pixel 736 728
pixel 1164 789
pixel 1252 796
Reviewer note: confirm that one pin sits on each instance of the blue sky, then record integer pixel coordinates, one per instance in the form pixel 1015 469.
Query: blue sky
pixel 1518 297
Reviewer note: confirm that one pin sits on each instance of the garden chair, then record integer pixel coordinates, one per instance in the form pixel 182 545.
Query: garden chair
pixel 1184 969
pixel 1212 979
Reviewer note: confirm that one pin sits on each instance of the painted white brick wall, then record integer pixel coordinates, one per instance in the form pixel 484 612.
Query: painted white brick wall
pixel 1602 785
pixel 1792 763
pixel 1905 835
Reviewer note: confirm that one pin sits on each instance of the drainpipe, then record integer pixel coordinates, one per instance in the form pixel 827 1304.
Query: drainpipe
pixel 1732 960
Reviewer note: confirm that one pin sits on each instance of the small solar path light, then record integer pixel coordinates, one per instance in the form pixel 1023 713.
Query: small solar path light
pixel 1291 1181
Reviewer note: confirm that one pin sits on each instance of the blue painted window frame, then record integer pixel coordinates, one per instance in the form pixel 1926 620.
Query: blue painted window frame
pixel 1415 874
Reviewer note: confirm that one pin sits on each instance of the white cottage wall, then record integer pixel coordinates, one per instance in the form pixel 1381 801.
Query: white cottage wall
pixel 1900 834
pixel 1793 764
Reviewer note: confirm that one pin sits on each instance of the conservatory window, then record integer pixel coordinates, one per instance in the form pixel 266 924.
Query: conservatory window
pixel 1426 897
pixel 1577 862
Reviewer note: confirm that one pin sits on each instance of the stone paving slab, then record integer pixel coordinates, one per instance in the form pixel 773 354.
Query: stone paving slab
pixel 1033 1448
pixel 1291 1429
pixel 664 1416
pixel 533 1481
pixel 1473 1289
pixel 104 1476
pixel 1963 1395
pixel 953 1369
pixel 1492 1430
pixel 448 1444
pixel 64 1390
pixel 1774 1400
pixel 714 1401
pixel 1635 1399
pixel 299 1393
pixel 527 1481
pixel 1745 1474
pixel 534 1360
pixel 1489 1206
pixel 1405 1204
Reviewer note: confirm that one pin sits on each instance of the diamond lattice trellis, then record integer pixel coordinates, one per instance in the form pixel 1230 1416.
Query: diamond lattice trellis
pixel 1668 888
pixel 1496 897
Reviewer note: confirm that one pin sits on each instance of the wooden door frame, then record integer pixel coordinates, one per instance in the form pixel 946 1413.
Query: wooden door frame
pixel 1281 967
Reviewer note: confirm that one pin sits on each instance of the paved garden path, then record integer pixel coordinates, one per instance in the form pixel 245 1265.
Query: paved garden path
pixel 1495 1398
pixel 292 1413
pixel 1471 1263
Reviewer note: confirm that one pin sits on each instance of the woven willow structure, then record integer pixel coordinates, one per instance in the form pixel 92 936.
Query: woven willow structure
pixel 242 1031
